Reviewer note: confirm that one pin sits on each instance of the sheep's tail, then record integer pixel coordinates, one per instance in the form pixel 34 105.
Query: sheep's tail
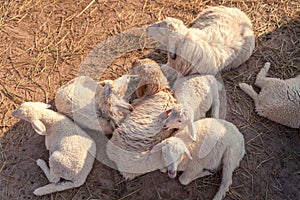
pixel 248 89
pixel 55 187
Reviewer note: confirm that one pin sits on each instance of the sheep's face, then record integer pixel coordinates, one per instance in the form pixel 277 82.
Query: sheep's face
pixel 29 110
pixel 113 93
pixel 161 31
pixel 176 118
pixel 172 151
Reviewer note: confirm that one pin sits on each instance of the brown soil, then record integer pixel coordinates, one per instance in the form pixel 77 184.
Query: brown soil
pixel 42 46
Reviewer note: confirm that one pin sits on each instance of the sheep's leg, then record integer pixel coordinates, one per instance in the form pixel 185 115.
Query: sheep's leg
pixel 248 89
pixel 228 168
pixel 55 187
pixel 192 130
pixel 50 176
pixel 215 107
pixel 222 97
pixel 261 76
pixel 191 174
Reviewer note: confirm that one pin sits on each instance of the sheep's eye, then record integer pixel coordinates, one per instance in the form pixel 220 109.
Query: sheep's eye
pixel 179 121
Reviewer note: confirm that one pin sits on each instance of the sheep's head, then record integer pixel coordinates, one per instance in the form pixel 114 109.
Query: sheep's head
pixel 172 150
pixel 113 92
pixel 162 30
pixel 118 86
pixel 30 111
pixel 152 78
pixel 168 32
pixel 175 118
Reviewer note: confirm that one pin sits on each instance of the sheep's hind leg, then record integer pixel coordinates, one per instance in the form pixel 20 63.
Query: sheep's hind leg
pixel 50 176
pixel 228 168
pixel 55 187
pixel 261 76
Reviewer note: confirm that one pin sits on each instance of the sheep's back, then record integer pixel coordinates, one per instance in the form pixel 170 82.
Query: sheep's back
pixel 279 101
pixel 196 92
pixel 142 128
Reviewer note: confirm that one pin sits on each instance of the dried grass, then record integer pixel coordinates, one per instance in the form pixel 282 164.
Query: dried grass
pixel 43 45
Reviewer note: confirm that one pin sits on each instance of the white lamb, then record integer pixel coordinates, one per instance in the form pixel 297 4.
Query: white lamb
pixel 219 143
pixel 219 38
pixel 196 95
pixel 87 103
pixel 278 100
pixel 142 128
pixel 72 151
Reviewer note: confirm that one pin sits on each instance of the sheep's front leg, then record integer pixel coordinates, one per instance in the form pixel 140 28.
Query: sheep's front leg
pixel 215 107
pixel 190 174
pixel 192 131
pixel 261 76
pixel 43 165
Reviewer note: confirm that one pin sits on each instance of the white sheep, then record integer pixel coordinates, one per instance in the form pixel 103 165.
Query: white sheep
pixel 278 100
pixel 87 103
pixel 72 151
pixel 142 128
pixel 219 143
pixel 152 79
pixel 220 38
pixel 196 94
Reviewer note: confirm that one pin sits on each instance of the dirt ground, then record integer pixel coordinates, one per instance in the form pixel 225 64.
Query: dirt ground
pixel 42 46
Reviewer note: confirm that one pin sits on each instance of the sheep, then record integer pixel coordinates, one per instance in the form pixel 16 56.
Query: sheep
pixel 82 100
pixel 218 143
pixel 219 39
pixel 110 101
pixel 142 128
pixel 72 151
pixel 196 95
pixel 152 78
pixel 278 100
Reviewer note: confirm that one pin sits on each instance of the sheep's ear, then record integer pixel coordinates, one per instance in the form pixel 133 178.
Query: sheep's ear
pixel 157 147
pixel 43 105
pixel 103 83
pixel 124 105
pixel 38 126
pixel 209 142
pixel 168 112
pixel 172 50
pixel 107 90
pixel 188 153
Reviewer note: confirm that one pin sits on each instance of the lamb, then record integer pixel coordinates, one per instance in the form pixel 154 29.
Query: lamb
pixel 142 128
pixel 278 100
pixel 218 143
pixel 219 39
pixel 82 100
pixel 72 151
pixel 152 78
pixel 196 95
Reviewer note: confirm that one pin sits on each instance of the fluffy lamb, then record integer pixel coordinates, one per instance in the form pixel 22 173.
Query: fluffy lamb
pixel 80 99
pixel 219 143
pixel 152 79
pixel 110 101
pixel 278 100
pixel 196 95
pixel 72 151
pixel 142 128
pixel 220 38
